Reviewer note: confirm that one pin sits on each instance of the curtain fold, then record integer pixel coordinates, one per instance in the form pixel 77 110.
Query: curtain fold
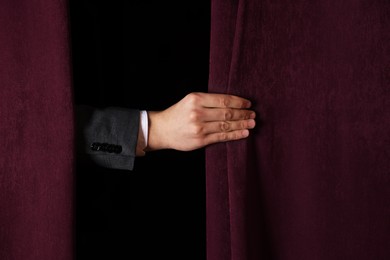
pixel 36 131
pixel 312 180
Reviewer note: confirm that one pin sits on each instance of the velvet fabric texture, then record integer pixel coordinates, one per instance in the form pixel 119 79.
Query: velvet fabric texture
pixel 313 180
pixel 36 131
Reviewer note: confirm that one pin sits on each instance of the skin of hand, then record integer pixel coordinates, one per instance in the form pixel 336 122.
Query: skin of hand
pixel 198 120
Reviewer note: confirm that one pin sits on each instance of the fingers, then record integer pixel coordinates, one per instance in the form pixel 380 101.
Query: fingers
pixel 226 136
pixel 226 114
pixel 214 118
pixel 220 100
pixel 227 126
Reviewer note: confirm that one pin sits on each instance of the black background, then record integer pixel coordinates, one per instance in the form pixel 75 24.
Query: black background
pixel 143 55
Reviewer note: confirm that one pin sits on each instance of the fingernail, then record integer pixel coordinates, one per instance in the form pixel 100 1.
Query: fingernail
pixel 252 115
pixel 245 133
pixel 246 104
pixel 251 123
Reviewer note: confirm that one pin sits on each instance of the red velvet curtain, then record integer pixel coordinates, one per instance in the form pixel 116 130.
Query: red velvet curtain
pixel 313 180
pixel 36 131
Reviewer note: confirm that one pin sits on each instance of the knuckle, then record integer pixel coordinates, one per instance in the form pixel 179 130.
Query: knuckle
pixel 197 130
pixel 243 125
pixel 228 114
pixel 224 126
pixel 194 115
pixel 224 102
pixel 193 98
pixel 223 137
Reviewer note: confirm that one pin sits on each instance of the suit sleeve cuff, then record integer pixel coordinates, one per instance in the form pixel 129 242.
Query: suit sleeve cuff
pixel 142 133
pixel 108 137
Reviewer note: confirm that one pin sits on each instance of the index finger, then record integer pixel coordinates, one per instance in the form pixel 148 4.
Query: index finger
pixel 224 101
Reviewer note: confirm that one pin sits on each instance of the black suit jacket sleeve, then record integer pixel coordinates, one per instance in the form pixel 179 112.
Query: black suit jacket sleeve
pixel 107 137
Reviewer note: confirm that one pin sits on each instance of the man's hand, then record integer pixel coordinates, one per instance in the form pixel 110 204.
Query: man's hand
pixel 198 120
